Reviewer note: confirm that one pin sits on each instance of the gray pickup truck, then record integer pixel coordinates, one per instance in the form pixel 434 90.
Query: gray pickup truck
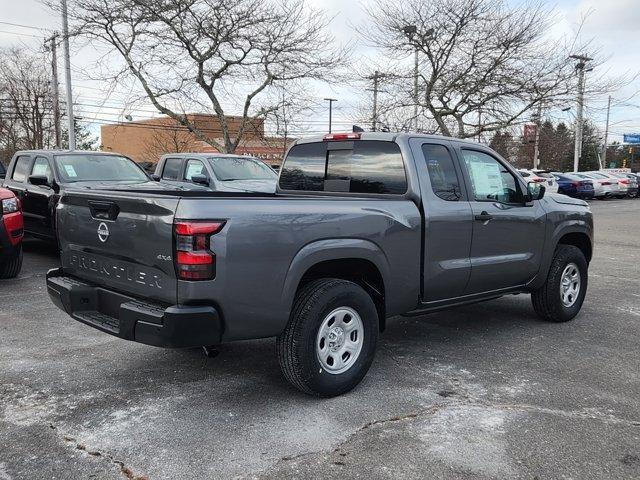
pixel 362 227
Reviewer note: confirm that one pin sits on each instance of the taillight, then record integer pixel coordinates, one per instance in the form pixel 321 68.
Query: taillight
pixel 341 136
pixel 575 184
pixel 194 259
pixel 624 182
pixel 539 180
pixel 606 183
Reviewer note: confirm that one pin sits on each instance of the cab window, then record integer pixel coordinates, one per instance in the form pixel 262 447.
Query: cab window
pixel 41 167
pixel 194 167
pixel 21 169
pixel 171 169
pixel 490 179
pixel 442 172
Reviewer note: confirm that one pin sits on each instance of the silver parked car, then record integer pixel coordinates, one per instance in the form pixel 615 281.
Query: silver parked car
pixel 216 171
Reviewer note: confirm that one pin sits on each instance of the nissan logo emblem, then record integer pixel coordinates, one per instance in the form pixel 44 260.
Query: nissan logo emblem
pixel 103 232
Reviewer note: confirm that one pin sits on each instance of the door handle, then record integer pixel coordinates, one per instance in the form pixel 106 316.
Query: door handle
pixel 484 216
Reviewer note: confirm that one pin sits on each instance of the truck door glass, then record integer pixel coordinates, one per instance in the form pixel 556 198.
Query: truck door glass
pixel 194 167
pixel 21 169
pixel 41 167
pixel 442 173
pixel 171 169
pixel 490 180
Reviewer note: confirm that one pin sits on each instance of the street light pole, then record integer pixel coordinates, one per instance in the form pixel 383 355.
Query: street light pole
pixel 606 136
pixel 536 145
pixel 410 31
pixel 330 100
pixel 67 72
pixel 577 153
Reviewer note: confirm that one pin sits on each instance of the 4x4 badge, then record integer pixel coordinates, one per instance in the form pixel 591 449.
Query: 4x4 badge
pixel 103 232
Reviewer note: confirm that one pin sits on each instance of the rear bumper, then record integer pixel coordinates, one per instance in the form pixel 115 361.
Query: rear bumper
pixel 133 319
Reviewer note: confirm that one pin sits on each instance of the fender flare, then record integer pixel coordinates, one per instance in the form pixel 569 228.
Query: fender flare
pixel 563 228
pixel 330 249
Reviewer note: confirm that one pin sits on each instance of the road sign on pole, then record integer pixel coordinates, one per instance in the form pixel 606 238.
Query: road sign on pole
pixel 631 138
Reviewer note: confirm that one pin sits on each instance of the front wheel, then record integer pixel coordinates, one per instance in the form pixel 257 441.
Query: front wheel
pixel 561 297
pixel 330 341
pixel 10 267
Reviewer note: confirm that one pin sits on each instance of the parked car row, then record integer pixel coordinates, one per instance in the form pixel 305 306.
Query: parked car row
pixel 38 178
pixel 586 185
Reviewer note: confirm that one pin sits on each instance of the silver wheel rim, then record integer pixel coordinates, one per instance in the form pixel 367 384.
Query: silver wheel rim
pixel 339 340
pixel 570 285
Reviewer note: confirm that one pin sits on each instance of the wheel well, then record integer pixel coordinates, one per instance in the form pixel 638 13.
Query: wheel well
pixel 579 240
pixel 357 270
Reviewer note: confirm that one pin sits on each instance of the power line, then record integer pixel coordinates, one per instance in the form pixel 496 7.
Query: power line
pixel 42 29
pixel 21 34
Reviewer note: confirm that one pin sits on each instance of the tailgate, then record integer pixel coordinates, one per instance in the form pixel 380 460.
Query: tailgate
pixel 122 241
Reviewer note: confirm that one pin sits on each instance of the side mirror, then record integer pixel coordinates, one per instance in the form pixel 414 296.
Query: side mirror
pixel 200 179
pixel 535 191
pixel 155 177
pixel 40 180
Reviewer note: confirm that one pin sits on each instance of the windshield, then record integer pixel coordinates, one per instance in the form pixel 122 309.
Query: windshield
pixel 227 169
pixel 98 168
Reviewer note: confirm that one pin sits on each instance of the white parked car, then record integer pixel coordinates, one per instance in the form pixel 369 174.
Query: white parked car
pixel 543 177
pixel 612 187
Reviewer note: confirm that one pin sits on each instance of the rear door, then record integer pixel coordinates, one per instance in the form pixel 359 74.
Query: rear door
pixel 16 181
pixel 122 241
pixel 508 234
pixel 448 220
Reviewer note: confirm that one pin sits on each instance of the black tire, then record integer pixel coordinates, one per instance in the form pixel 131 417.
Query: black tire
pixel 296 346
pixel 547 300
pixel 10 267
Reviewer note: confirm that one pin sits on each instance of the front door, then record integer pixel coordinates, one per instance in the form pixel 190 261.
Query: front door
pixel 41 208
pixel 508 233
pixel 447 220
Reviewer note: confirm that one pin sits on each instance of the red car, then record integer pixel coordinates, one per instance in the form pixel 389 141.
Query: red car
pixel 11 232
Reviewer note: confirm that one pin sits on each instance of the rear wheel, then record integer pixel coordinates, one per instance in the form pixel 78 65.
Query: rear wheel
pixel 10 267
pixel 330 340
pixel 561 297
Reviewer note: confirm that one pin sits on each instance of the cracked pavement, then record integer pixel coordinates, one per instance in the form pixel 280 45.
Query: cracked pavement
pixel 485 391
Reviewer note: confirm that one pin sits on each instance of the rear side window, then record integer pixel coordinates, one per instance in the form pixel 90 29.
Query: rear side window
pixel 361 166
pixel 171 169
pixel 21 169
pixel 442 173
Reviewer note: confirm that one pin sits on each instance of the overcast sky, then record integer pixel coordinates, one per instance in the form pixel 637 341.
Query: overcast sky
pixel 614 25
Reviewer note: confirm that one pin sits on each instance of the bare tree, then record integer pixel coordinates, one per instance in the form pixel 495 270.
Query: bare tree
pixel 174 139
pixel 205 54
pixel 25 101
pixel 483 65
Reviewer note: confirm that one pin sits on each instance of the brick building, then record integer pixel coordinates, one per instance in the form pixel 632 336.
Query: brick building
pixel 147 140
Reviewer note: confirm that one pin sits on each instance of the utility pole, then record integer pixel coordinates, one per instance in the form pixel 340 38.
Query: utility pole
pixel 376 88
pixel 374 119
pixel 67 72
pixel 411 31
pixel 603 163
pixel 54 85
pixel 536 145
pixel 330 100
pixel 577 154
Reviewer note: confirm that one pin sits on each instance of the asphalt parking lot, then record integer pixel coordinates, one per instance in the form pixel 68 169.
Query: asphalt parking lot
pixel 486 391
